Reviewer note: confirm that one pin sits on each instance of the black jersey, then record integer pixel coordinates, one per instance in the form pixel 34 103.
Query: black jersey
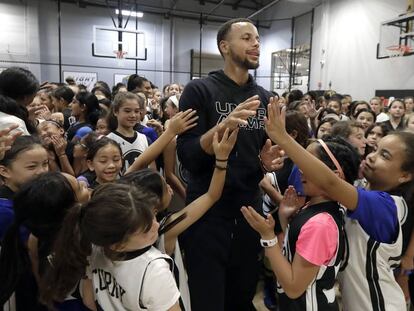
pixel 320 294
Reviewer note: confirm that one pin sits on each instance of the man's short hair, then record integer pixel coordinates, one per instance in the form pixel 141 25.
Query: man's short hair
pixel 135 81
pixel 225 29
pixel 17 82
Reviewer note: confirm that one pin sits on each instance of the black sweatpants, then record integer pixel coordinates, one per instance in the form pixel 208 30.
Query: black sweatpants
pixel 222 263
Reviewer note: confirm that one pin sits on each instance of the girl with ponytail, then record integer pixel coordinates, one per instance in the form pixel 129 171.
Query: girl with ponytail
pixel 110 240
pixel 39 206
pixel 24 160
pixel 86 110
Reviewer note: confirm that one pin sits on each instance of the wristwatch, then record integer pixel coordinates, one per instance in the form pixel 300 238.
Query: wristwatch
pixel 268 243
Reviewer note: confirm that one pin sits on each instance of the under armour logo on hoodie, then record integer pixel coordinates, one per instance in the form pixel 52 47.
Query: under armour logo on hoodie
pixel 253 123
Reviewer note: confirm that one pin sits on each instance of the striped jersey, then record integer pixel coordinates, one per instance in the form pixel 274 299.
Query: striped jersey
pixel 367 281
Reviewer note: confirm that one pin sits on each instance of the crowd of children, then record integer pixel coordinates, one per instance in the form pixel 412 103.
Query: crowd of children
pixel 87 179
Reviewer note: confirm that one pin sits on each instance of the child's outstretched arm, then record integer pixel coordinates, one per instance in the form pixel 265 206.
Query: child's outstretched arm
pixel 316 171
pixel 88 294
pixel 196 209
pixel 407 259
pixel 170 158
pixel 180 123
pixel 294 277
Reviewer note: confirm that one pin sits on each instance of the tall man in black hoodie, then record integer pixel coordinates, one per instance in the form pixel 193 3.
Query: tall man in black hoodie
pixel 221 249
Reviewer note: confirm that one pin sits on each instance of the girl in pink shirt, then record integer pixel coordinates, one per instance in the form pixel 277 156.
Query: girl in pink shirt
pixel 374 221
pixel 314 236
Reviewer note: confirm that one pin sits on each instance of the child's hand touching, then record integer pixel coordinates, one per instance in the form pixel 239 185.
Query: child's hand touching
pixel 154 105
pixel 272 156
pixel 311 110
pixel 43 113
pixel 223 147
pixel 275 121
pixel 264 226
pixel 34 111
pixel 157 126
pixel 7 137
pixel 59 144
pixel 290 203
pixel 182 121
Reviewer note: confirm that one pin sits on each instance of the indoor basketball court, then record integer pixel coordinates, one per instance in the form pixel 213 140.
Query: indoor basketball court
pixel 206 155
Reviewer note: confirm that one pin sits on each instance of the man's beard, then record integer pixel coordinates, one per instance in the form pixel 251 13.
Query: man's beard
pixel 244 63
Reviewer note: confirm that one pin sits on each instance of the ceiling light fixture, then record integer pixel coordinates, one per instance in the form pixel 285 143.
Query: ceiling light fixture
pixel 130 13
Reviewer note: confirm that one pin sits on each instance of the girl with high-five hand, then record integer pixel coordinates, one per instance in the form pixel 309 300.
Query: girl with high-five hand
pixel 314 238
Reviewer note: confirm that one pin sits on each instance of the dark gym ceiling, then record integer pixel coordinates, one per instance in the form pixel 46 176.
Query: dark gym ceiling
pixel 213 10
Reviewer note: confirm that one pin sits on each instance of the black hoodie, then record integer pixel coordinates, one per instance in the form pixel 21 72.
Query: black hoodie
pixel 214 98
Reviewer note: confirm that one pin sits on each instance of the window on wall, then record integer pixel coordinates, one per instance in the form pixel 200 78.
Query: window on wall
pixel 13 25
pixel 290 69
pixel 209 62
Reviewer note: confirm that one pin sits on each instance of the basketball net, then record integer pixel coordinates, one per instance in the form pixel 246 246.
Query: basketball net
pixel 120 57
pixel 397 50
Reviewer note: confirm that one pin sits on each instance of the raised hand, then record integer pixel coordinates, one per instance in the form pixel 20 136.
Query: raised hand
pixel 311 110
pixel 275 121
pixel 290 203
pixel 154 105
pixel 157 126
pixel 241 113
pixel 223 147
pixel 34 111
pixel 43 113
pixel 7 138
pixel 264 226
pixel 183 121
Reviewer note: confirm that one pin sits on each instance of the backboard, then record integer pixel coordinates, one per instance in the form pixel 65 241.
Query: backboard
pixel 108 40
pixel 396 37
pixel 290 69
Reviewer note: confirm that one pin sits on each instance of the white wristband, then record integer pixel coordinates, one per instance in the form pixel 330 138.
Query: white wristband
pixel 268 243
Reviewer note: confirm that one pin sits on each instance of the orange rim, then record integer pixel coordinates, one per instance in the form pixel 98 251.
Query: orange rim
pixel 120 54
pixel 400 48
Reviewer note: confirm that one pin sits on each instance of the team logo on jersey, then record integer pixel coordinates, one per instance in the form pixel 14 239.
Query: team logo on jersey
pixel 109 284
pixel 131 155
pixel 183 174
pixel 253 123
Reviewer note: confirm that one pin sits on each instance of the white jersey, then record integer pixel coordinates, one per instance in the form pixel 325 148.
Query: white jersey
pixel 268 204
pixel 130 150
pixel 144 282
pixel 343 117
pixel 368 283
pixel 10 304
pixel 181 172
pixel 179 273
pixel 145 120
pixel 382 117
pixel 320 293
pixel 7 120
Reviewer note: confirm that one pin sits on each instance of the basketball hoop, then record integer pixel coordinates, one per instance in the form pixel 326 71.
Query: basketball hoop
pixel 120 57
pixel 398 50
